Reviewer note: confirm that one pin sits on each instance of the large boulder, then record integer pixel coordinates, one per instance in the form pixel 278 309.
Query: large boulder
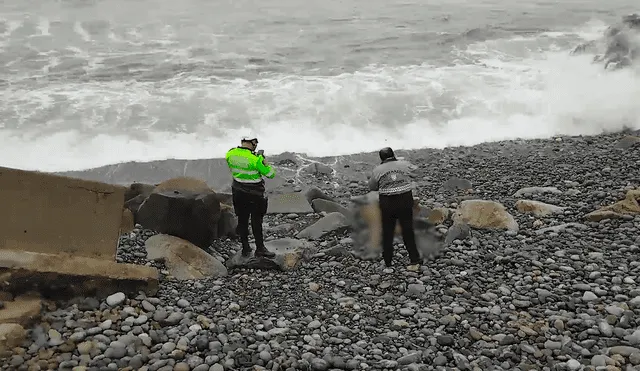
pixel 137 189
pixel 228 222
pixel 225 198
pixel 135 196
pixel 183 260
pixel 201 215
pixel 138 193
pixel 366 232
pixel 290 253
pixel 485 214
pixel 183 213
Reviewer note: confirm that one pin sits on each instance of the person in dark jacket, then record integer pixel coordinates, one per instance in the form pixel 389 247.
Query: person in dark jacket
pixel 392 180
pixel 248 190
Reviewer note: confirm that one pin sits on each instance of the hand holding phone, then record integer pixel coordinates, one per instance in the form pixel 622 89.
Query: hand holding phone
pixel 261 152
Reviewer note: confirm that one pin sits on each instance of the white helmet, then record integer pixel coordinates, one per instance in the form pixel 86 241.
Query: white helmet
pixel 250 137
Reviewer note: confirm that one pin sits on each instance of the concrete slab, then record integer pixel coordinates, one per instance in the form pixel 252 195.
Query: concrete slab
pixel 65 276
pixel 52 214
pixel 287 203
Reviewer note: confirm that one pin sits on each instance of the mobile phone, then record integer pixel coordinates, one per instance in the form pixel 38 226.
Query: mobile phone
pixel 261 152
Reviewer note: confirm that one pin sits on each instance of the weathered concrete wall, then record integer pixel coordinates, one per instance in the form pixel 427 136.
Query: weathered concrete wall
pixel 60 276
pixel 53 214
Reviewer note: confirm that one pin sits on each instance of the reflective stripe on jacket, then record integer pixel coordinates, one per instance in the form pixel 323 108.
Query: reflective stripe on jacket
pixel 247 170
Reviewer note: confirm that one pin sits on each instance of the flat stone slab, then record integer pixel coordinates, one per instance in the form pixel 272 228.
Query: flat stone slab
pixel 184 260
pixel 289 252
pixel 67 276
pixel 288 203
pixel 329 223
pixel 320 205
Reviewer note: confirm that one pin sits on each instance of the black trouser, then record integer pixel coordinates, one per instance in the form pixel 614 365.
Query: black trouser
pixel 396 208
pixel 249 205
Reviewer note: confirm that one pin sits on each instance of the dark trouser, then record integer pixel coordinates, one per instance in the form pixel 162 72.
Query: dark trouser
pixel 249 205
pixel 396 208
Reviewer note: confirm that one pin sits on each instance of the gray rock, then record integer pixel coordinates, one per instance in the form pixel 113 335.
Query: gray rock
pixel 503 301
pixel 320 205
pixel 623 350
pixel 455 183
pixel 174 318
pixel 529 191
pixel 116 350
pixel 287 203
pixel 598 360
pixel 319 364
pixel 330 223
pixel 573 365
pixel 589 296
pixel 409 358
pixel 116 299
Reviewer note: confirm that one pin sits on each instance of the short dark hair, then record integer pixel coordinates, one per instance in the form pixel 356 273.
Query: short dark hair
pixel 386 153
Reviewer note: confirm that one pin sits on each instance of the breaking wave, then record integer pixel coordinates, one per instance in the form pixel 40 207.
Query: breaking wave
pixel 83 109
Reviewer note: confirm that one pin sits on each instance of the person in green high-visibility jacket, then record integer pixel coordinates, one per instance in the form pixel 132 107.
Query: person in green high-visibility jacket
pixel 248 192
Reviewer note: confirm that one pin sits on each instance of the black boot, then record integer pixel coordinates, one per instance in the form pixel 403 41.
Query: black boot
pixel 246 248
pixel 261 250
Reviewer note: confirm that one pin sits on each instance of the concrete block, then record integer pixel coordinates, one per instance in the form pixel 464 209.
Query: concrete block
pixel 51 214
pixel 60 276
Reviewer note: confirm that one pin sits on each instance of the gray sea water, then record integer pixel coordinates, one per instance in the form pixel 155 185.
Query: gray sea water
pixel 92 82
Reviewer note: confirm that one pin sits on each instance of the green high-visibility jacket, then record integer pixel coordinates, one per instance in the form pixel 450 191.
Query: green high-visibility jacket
pixel 247 170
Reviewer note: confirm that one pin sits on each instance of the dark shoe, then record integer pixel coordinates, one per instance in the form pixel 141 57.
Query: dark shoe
pixel 246 248
pixel 246 251
pixel 262 251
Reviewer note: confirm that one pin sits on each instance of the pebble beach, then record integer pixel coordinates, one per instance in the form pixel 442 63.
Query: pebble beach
pixel 559 293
